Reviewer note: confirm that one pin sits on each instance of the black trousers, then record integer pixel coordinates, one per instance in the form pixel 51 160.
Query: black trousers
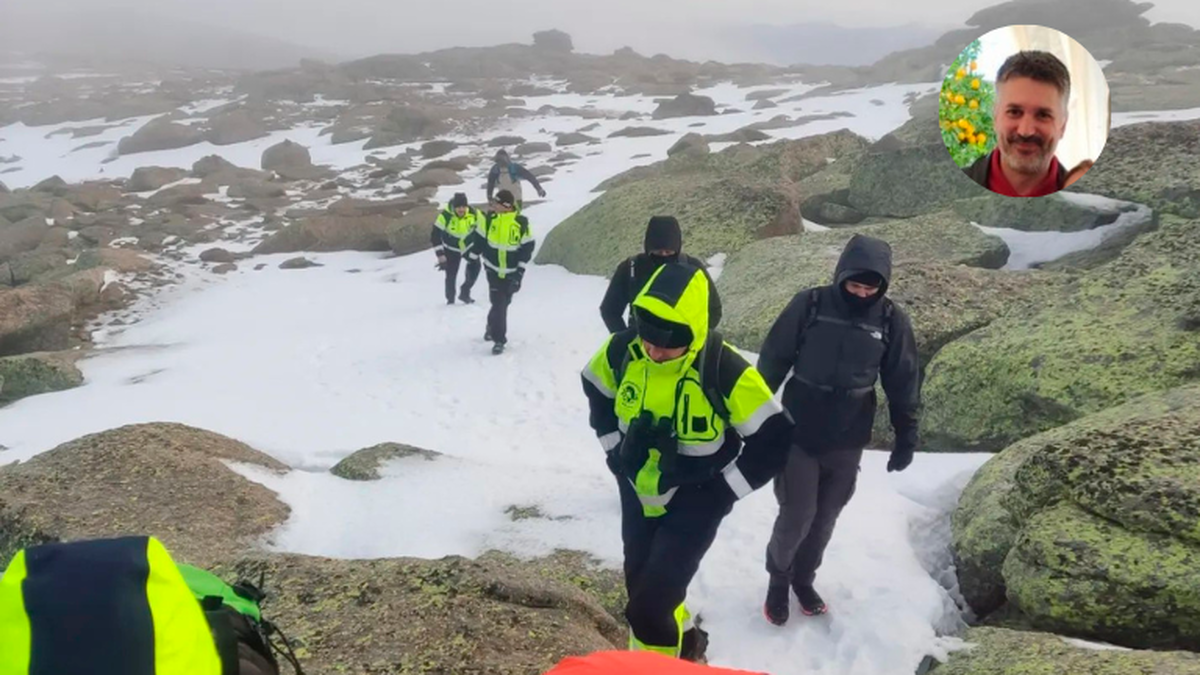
pixel 663 554
pixel 453 259
pixel 811 492
pixel 500 293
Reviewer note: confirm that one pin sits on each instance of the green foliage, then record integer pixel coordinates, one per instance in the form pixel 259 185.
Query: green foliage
pixel 965 109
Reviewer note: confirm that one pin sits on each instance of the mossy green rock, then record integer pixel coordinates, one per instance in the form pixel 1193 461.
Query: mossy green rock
pixel 1151 163
pixel 1126 328
pixel 1103 510
pixel 33 374
pixel 400 616
pixel 759 280
pixel 1075 572
pixel 1047 214
pixel 723 202
pixel 999 651
pixel 365 464
pixel 909 181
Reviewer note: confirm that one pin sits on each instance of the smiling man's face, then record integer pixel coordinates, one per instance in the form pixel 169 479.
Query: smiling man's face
pixel 1031 118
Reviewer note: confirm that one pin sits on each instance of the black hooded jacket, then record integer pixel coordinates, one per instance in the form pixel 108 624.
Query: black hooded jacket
pixel 837 357
pixel 633 273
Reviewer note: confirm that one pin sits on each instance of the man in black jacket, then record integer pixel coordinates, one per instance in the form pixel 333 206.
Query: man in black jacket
pixel 836 341
pixel 663 244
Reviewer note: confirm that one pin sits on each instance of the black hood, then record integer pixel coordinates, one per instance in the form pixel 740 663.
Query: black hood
pixel 663 233
pixel 865 254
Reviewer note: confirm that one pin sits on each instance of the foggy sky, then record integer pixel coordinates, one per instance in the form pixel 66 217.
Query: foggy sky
pixel 682 28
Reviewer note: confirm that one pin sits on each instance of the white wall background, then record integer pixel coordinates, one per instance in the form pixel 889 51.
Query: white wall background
pixel 1089 116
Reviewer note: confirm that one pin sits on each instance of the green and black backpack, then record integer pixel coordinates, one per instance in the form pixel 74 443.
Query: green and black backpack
pixel 234 613
pixel 124 607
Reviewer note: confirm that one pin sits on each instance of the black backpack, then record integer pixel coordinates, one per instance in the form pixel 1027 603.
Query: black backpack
pixel 814 302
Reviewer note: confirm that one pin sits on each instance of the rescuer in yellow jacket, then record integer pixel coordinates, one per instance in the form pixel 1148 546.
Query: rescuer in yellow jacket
pixel 505 244
pixel 689 427
pixel 450 238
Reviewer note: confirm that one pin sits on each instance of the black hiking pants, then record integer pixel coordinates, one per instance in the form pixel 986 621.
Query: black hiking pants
pixel 500 293
pixel 453 260
pixel 663 554
pixel 811 492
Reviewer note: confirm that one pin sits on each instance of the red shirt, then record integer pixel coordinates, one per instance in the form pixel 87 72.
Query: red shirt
pixel 999 184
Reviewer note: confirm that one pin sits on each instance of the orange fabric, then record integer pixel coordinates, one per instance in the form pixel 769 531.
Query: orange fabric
pixel 635 663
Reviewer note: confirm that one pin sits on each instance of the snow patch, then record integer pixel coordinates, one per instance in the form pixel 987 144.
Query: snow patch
pixel 1031 248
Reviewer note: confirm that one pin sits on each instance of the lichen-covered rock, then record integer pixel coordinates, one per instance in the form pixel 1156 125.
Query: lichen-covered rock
pixel 410 233
pixel 496 615
pixel 1150 163
pixel 1123 329
pixel 1060 212
pixel 759 280
pixel 909 181
pixel 1100 510
pixel 723 202
pixel 1010 652
pixel 365 464
pixel 1074 572
pixel 168 480
pixel 329 233
pixel 685 105
pixel 40 373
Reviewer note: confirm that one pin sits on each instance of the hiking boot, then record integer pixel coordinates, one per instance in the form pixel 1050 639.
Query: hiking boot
pixel 776 607
pixel 498 348
pixel 695 646
pixel 487 335
pixel 810 601
pixel 449 301
pixel 466 299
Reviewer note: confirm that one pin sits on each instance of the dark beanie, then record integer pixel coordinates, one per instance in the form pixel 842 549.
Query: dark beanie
pixel 459 199
pixel 660 332
pixel 663 233
pixel 506 198
pixel 867 278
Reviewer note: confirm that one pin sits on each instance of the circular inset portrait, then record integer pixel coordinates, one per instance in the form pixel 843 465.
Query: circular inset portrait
pixel 1024 111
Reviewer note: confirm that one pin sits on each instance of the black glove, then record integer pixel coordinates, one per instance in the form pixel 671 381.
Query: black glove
pixel 635 448
pixel 516 281
pixel 613 459
pixel 900 459
pixel 541 192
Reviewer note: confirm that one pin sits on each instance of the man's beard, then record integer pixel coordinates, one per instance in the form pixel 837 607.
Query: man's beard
pixel 1030 165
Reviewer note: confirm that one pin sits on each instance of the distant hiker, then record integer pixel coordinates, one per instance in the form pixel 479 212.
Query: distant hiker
pixel 634 663
pixel 836 341
pixel 663 244
pixel 689 427
pixel 450 238
pixel 507 175
pixel 123 607
pixel 505 243
pixel 1032 91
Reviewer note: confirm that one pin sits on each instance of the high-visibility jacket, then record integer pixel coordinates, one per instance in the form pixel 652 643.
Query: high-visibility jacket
pixel 452 232
pixel 732 430
pixel 105 607
pixel 504 242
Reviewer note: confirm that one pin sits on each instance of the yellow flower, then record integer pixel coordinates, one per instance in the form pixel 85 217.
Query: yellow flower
pixel 971 138
pixel 960 99
pixel 982 139
pixel 975 83
pixel 974 66
pixel 960 74
pixel 974 104
pixel 962 135
pixel 963 123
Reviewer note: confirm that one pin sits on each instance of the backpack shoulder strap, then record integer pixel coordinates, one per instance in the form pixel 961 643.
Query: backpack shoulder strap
pixel 710 374
pixel 810 317
pixel 889 308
